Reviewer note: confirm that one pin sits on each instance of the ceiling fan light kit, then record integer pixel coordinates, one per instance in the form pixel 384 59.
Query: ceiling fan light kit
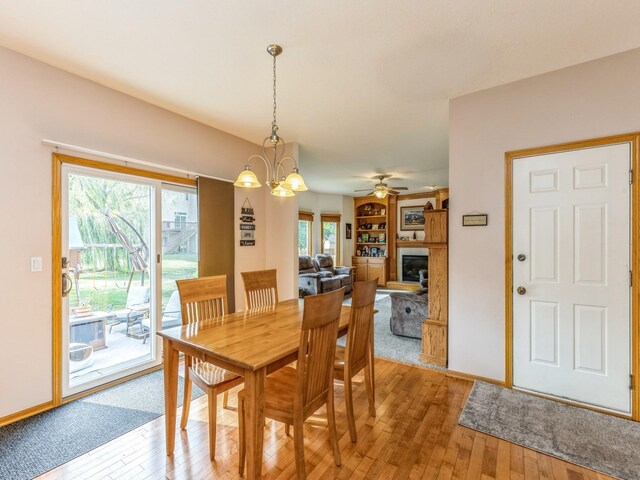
pixel 381 189
pixel 281 186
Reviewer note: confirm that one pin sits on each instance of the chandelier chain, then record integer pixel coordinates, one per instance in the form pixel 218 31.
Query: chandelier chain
pixel 274 126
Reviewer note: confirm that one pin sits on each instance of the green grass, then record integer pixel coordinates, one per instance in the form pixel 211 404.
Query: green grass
pixel 101 289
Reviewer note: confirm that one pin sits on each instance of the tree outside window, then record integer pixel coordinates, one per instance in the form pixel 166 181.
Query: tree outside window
pixel 331 236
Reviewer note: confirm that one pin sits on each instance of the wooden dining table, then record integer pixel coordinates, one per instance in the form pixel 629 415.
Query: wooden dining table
pixel 253 344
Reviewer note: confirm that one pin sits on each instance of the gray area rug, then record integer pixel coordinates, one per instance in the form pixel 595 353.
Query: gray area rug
pixel 386 344
pixel 37 444
pixel 593 440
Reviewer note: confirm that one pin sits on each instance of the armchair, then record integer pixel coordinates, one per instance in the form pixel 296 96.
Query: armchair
pixel 136 308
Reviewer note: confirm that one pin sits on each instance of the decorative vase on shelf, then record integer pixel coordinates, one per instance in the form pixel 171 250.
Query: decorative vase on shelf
pixel 415 237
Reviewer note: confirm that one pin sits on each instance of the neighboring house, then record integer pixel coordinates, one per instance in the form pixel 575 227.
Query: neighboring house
pixel 179 222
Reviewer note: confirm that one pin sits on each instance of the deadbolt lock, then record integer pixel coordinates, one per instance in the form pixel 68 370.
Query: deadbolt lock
pixel 522 257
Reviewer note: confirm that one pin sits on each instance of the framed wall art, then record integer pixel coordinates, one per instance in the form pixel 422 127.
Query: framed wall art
pixel 412 218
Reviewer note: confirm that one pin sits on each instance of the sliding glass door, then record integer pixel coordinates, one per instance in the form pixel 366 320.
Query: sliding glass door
pixel 179 247
pixel 125 240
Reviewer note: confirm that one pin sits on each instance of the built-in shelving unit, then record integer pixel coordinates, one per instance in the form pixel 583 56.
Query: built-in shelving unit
pixel 373 234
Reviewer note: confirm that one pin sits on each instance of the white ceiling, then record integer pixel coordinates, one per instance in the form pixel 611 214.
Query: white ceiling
pixel 363 85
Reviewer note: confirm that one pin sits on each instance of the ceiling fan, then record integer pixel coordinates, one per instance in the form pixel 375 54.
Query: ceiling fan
pixel 381 189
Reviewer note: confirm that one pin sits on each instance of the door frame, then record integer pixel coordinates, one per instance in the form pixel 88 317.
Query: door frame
pixel 58 160
pixel 634 140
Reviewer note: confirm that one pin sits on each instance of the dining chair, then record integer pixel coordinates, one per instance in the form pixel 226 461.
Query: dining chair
pixel 358 354
pixel 260 288
pixel 205 299
pixel 291 395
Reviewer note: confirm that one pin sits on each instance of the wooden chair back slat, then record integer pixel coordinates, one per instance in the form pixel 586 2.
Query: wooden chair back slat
pixel 316 354
pixel 260 288
pixel 360 324
pixel 202 298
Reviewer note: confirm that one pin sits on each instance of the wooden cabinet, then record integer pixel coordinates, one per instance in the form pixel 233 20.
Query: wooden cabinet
pixel 373 234
pixel 368 268
pixel 435 327
pixel 435 226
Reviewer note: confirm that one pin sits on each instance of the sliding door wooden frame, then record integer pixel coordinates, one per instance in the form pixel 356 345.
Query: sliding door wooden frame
pixel 634 140
pixel 56 257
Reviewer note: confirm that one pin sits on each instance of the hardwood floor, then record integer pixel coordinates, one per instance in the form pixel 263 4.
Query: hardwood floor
pixel 415 435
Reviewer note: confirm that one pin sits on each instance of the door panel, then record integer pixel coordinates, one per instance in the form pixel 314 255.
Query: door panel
pixel 571 319
pixel 544 245
pixel 544 332
pixel 109 239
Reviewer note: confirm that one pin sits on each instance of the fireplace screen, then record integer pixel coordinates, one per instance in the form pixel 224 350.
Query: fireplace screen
pixel 411 266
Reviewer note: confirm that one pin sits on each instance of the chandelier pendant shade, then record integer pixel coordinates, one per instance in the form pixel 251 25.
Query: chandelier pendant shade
pixel 281 185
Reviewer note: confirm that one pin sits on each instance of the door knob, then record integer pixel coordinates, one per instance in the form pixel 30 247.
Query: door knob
pixel 67 284
pixel 522 257
pixel 521 290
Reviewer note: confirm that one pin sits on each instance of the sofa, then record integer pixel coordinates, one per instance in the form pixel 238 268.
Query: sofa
pixel 319 275
pixel 408 311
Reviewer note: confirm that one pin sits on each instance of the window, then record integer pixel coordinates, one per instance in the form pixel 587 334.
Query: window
pixel 331 236
pixel 180 220
pixel 305 236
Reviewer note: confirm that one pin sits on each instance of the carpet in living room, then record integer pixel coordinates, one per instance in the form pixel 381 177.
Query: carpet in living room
pixel 386 344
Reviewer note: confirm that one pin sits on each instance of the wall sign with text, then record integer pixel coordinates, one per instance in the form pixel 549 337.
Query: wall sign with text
pixel 475 220
pixel 247 225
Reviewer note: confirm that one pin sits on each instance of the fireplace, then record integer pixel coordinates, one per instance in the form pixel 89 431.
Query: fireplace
pixel 411 266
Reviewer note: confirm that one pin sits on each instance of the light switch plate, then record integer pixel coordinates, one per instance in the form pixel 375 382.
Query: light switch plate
pixel 36 264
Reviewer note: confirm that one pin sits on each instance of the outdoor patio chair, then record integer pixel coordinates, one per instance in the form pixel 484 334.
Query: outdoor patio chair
pixel 136 308
pixel 171 316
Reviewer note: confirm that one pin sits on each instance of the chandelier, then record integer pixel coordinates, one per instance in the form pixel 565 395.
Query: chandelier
pixel 281 186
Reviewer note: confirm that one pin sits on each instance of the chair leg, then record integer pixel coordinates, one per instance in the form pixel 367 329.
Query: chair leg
pixel 242 447
pixel 186 401
pixel 348 399
pixel 225 399
pixel 213 409
pixel 370 384
pixel 287 429
pixel 298 446
pixel 371 371
pixel 333 433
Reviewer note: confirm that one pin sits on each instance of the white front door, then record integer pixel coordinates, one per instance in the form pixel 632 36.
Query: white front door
pixel 571 275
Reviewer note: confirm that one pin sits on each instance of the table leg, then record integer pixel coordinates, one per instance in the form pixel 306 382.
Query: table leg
pixel 170 393
pixel 254 425
pixel 372 369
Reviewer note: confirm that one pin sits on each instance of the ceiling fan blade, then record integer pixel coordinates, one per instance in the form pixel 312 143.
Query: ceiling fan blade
pixel 362 190
pixel 399 188
pixel 395 192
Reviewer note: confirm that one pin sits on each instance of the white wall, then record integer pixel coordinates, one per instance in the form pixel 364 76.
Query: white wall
pixel 320 203
pixel 39 101
pixel 591 100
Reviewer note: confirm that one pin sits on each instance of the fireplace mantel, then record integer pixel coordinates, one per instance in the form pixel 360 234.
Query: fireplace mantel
pixel 410 243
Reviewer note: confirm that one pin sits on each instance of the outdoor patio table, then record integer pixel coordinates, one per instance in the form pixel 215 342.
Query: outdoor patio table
pixel 253 344
pixel 89 329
